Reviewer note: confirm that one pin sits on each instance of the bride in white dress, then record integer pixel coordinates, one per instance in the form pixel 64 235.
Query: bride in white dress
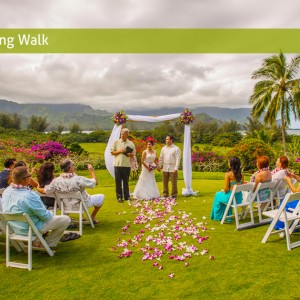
pixel 146 187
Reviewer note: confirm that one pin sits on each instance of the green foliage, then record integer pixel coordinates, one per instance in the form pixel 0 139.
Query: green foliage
pixel 248 150
pixel 166 128
pixel 278 91
pixel 227 139
pixel 75 128
pixel 38 124
pixel 93 137
pixel 60 128
pixel 231 126
pixel 203 132
pixel 12 121
pixel 75 148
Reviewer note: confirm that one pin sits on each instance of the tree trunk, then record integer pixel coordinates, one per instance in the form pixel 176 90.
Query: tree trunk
pixel 283 134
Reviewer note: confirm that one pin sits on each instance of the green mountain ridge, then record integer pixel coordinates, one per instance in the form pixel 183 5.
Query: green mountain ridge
pixel 96 119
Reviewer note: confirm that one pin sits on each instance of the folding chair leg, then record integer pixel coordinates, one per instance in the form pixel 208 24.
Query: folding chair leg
pixel 30 249
pixel 270 229
pixel 293 226
pixel 288 239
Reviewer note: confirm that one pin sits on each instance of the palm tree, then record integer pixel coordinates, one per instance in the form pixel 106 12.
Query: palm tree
pixel 278 92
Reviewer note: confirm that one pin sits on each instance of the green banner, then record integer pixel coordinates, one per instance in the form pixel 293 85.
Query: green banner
pixel 149 40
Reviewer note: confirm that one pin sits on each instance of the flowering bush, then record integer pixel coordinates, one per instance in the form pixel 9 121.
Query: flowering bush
pixel 186 117
pixel 50 149
pixel 40 152
pixel 208 162
pixel 120 117
pixel 248 150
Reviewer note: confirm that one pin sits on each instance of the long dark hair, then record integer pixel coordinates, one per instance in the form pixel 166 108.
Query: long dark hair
pixel 235 168
pixel 45 174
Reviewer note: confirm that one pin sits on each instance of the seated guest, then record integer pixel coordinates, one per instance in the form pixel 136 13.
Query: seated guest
pixel 280 172
pixel 232 177
pixel 32 183
pixel 263 174
pixel 4 175
pixel 45 176
pixel 291 205
pixel 18 199
pixel 69 181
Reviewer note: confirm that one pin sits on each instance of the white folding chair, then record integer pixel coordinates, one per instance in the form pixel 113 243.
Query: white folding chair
pixel 18 247
pixel 280 190
pixel 262 204
pixel 33 233
pixel 2 227
pixel 246 190
pixel 289 218
pixel 63 197
pixel 57 204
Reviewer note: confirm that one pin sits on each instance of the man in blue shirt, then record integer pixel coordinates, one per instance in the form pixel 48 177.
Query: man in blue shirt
pixel 19 199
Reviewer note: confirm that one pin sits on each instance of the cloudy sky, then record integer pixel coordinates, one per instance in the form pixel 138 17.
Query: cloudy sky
pixel 136 81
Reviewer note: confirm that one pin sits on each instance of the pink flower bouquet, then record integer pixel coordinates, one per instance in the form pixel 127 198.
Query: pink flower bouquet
pixel 152 167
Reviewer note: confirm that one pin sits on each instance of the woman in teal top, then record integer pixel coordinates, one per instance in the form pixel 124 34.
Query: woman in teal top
pixel 232 177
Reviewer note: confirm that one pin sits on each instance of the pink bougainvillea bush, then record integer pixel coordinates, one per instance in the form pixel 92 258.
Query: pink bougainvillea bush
pixel 160 233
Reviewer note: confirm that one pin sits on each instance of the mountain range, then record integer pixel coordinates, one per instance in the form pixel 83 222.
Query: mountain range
pixel 96 119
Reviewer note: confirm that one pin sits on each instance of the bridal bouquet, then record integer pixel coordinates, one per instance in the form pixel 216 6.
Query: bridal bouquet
pixel 120 117
pixel 152 166
pixel 186 117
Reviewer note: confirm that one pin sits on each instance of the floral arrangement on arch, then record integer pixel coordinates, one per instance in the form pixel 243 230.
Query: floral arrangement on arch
pixel 186 117
pixel 120 117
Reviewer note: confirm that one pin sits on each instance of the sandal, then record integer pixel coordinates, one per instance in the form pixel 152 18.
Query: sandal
pixel 70 236
pixel 95 221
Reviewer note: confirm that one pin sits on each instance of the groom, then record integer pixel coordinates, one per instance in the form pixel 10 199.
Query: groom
pixel 169 160
pixel 122 150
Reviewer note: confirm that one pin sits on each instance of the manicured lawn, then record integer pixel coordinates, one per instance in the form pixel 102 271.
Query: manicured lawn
pixel 88 268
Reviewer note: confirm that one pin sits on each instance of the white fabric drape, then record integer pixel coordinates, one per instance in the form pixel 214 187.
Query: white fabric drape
pixel 187 161
pixel 152 119
pixel 115 135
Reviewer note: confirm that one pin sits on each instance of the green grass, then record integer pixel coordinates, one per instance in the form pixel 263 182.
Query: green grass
pixel 87 268
pixel 94 147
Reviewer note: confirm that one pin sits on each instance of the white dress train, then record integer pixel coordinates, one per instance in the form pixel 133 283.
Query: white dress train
pixel 146 187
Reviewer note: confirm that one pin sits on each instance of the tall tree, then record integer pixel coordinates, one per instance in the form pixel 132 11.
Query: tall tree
pixel 38 124
pixel 278 93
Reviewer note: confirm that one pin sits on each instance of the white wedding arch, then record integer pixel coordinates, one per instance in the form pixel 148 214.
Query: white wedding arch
pixel 187 160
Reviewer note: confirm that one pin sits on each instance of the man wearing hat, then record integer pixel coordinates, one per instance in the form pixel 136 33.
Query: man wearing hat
pixel 19 199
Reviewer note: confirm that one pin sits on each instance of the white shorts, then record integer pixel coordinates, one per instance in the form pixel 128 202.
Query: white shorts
pixel 96 200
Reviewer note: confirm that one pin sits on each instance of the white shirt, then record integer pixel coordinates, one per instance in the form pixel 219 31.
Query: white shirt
pixel 169 158
pixel 279 175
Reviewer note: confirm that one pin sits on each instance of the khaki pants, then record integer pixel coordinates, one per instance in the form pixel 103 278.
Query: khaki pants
pixel 56 225
pixel 173 178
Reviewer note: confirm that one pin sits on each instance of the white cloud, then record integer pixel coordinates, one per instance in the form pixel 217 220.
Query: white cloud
pixel 114 81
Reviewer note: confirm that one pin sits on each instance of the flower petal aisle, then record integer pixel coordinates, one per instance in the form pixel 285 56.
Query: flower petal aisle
pixel 161 234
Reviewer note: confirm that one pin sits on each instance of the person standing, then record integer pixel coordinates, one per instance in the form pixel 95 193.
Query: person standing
pixel 146 187
pixel 122 150
pixel 169 161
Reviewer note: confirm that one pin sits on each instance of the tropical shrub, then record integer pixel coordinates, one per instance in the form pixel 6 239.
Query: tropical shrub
pixel 208 162
pixel 248 150
pixel 227 139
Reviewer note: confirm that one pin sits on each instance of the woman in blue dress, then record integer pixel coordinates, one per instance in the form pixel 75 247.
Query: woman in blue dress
pixel 232 177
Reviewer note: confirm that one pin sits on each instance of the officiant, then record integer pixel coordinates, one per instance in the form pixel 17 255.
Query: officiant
pixel 122 150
